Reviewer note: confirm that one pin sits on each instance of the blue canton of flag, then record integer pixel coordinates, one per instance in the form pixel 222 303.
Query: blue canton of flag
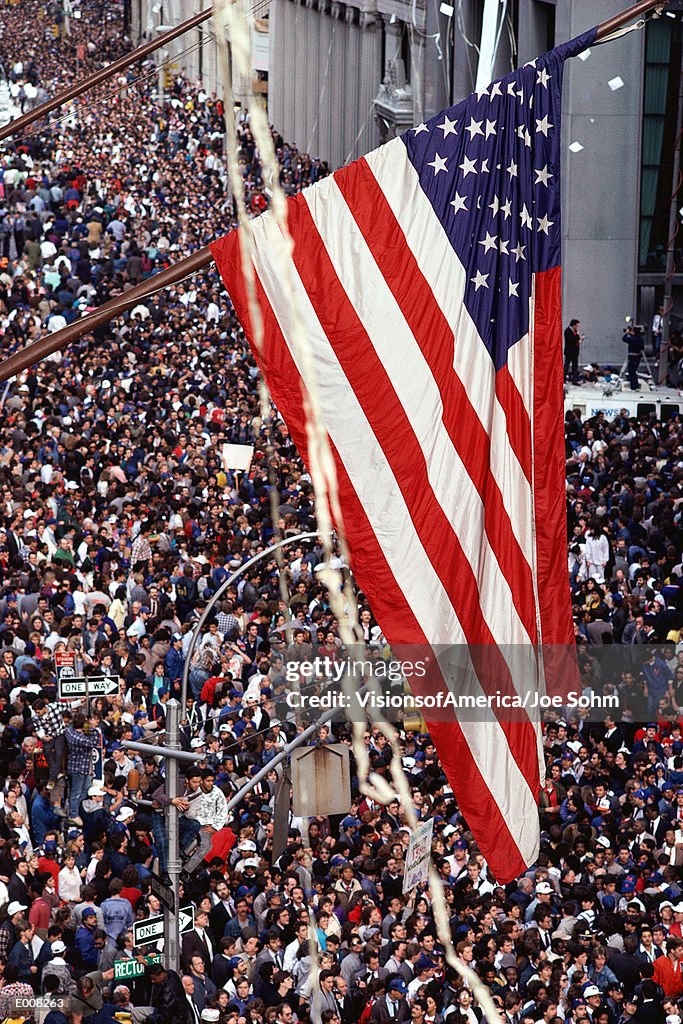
pixel 490 167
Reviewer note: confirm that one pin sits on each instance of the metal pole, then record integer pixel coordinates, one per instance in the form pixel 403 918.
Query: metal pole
pixel 19 123
pixel 50 343
pixel 217 596
pixel 175 753
pixel 172 938
pixel 673 213
pixel 161 99
pixel 619 20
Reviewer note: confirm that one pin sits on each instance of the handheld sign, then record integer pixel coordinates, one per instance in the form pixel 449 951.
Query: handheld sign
pixel 418 856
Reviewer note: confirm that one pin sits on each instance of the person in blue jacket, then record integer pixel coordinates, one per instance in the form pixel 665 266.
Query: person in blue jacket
pixel 43 817
pixel 85 939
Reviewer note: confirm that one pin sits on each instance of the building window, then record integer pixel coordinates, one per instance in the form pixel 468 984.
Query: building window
pixel 660 98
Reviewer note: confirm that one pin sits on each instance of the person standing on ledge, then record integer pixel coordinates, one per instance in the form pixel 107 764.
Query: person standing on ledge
pixel 572 343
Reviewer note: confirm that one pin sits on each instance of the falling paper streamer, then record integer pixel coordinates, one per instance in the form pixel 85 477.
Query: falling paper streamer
pixel 616 83
pixel 576 147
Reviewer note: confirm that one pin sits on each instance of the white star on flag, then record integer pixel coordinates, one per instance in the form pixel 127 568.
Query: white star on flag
pixel 480 281
pixel 495 90
pixel 512 169
pixel 543 176
pixel 544 125
pixel 448 126
pixel 513 288
pixel 543 78
pixel 490 128
pixel 438 163
pixel 489 242
pixel 525 216
pixel 494 206
pixel 474 128
pixel 519 251
pixel 421 128
pixel 485 166
pixel 506 208
pixel 468 166
pixel 503 246
pixel 459 203
pixel 544 224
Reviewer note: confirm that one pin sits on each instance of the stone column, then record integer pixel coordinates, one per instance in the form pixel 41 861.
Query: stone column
pixel 338 84
pixel 320 129
pixel 276 74
pixel 313 98
pixel 286 74
pixel 368 71
pixel 353 122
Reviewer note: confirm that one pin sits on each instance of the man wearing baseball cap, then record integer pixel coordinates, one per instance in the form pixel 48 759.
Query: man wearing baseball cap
pixel 393 1005
pixel 593 997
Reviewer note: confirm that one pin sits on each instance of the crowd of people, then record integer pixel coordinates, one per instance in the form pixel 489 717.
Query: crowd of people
pixel 119 521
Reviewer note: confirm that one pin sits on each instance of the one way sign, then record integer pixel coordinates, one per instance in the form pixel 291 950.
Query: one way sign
pixel 185 919
pixel 147 930
pixel 92 686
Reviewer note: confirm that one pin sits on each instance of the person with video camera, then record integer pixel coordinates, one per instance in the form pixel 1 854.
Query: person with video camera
pixel 634 337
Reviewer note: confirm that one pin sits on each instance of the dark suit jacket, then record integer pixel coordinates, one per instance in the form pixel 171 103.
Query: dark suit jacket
pixel 350 1012
pixel 380 1012
pixel 218 918
pixel 220 972
pixel 191 944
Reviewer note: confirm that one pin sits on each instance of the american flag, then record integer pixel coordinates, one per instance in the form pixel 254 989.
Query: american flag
pixel 427 276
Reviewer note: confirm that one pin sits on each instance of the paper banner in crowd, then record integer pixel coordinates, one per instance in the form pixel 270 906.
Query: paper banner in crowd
pixel 237 457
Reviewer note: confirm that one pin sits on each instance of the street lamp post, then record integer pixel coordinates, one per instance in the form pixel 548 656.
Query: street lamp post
pixel 217 596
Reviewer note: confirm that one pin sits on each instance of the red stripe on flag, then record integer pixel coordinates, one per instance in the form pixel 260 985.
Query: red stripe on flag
pixel 386 241
pixel 557 630
pixel 517 421
pixel 373 573
pixel 391 427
